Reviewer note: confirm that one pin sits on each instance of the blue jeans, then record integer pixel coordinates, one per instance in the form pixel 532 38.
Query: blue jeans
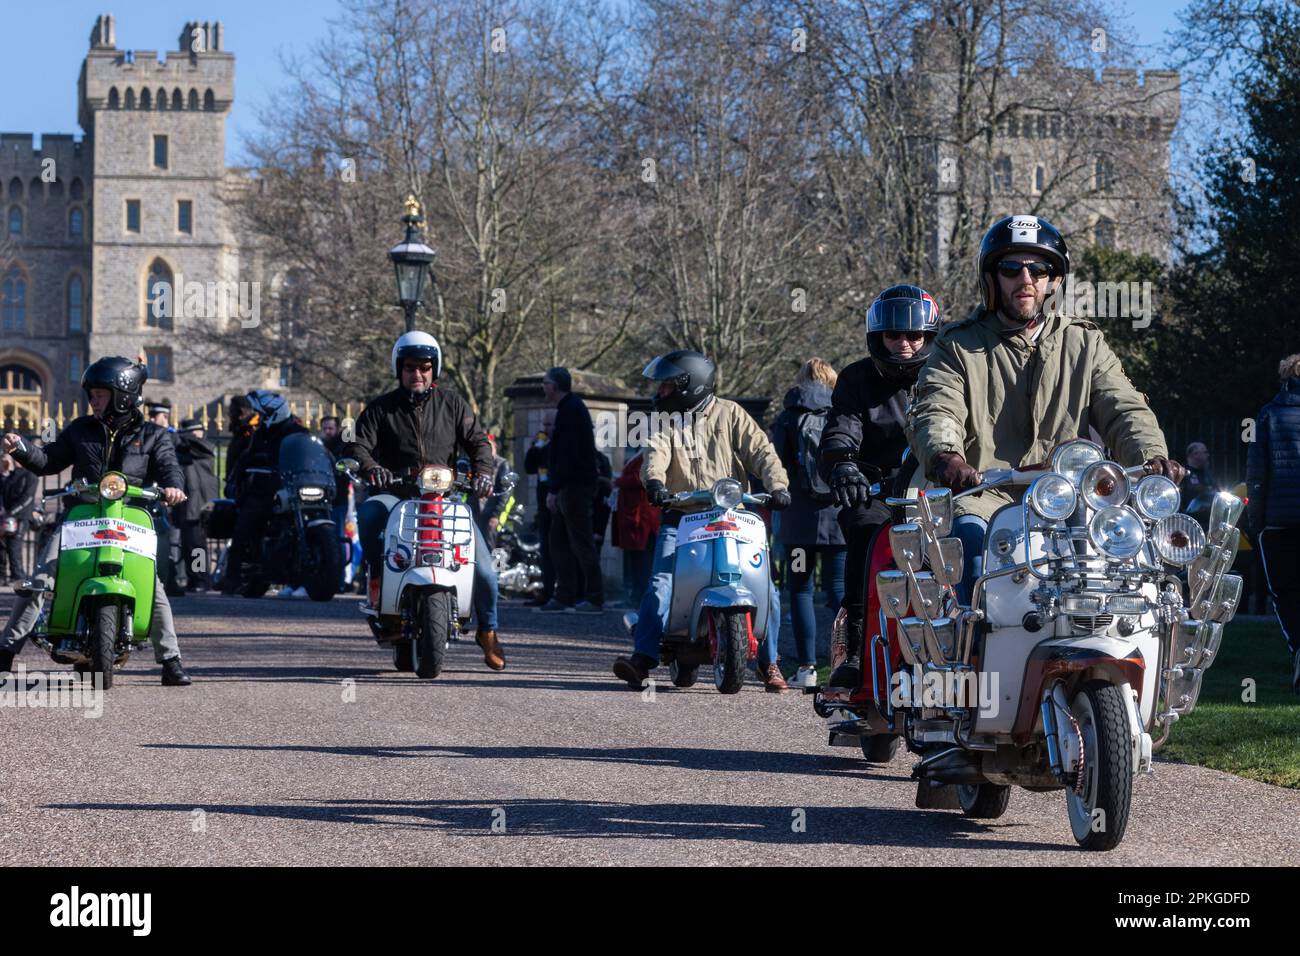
pixel 971 530
pixel 652 619
pixel 372 518
pixel 637 565
pixel 801 592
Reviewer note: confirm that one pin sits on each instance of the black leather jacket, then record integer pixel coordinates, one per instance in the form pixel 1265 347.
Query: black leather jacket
pixel 865 424
pixel 140 450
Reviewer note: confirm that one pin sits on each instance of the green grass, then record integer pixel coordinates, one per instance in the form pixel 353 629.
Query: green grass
pixel 1259 740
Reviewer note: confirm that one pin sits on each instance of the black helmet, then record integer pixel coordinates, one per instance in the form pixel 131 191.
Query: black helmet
pixel 124 378
pixel 1027 233
pixel 901 308
pixel 693 374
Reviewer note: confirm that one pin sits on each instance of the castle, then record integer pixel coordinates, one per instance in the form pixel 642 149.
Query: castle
pixel 103 235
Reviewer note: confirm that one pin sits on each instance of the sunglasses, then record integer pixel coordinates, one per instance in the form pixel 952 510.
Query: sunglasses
pixel 1011 268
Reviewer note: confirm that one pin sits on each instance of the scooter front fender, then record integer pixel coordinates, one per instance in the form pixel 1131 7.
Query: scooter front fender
pixel 721 598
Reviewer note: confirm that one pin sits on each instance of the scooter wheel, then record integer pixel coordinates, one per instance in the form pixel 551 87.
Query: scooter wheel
pixel 404 657
pixel 880 748
pixel 984 801
pixel 683 676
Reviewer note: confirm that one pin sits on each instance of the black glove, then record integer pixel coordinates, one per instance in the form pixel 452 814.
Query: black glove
pixel 779 500
pixel 1167 467
pixel 379 476
pixel 656 492
pixel 849 485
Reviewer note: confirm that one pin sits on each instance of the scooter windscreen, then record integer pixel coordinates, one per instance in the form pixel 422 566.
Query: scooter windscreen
pixel 306 464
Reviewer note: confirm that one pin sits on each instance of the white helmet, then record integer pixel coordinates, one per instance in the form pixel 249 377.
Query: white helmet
pixel 417 345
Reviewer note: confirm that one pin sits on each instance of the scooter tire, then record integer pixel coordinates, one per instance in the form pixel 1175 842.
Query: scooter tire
pixel 1102 713
pixel 404 657
pixel 683 676
pixel 880 748
pixel 733 650
pixel 102 640
pixel 983 801
pixel 434 630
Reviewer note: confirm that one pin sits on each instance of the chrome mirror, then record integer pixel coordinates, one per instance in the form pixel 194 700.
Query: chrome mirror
pixel 1225 511
pixel 1224 600
pixel 945 633
pixel 1189 640
pixel 937 502
pixel 927 596
pixel 908 545
pixel 344 465
pixel 892 589
pixel 911 631
pixel 946 565
pixel 1184 689
pixel 1213 640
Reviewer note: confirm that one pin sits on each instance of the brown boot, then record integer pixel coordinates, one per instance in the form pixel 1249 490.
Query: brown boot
pixel 772 680
pixel 493 656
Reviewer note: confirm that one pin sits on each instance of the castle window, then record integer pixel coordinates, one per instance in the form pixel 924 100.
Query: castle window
pixel 133 215
pixel 1104 233
pixel 76 305
pixel 113 101
pixel 15 220
pixel 160 152
pixel 209 102
pixel 76 224
pixel 185 216
pixel 37 189
pixel 194 100
pixel 178 102
pixel 161 99
pixel 75 367
pixel 1104 174
pixel 76 190
pixel 1002 174
pixel 56 189
pixel 160 297
pixel 1013 126
pixel 1040 177
pixel 13 302
pixel 146 100
pixel 15 188
pixel 159 363
pixel 1056 127
pixel 130 99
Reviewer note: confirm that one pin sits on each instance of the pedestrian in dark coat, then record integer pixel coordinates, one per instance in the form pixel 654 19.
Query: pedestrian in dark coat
pixel 1273 489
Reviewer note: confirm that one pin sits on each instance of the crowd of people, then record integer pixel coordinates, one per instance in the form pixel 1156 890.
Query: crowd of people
pixel 945 402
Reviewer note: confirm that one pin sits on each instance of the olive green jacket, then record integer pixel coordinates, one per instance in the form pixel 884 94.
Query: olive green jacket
pixel 722 441
pixel 1002 401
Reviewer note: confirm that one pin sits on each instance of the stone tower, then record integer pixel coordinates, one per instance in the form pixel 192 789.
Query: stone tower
pixel 161 226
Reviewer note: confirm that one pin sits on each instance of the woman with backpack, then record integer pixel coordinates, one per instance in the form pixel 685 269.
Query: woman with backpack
pixel 808 530
pixel 864 441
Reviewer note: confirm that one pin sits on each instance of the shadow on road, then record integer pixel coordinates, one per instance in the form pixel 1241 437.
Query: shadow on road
pixel 584 819
pixel 676 758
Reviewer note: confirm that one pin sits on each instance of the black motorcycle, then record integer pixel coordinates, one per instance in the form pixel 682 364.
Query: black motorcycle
pixel 300 546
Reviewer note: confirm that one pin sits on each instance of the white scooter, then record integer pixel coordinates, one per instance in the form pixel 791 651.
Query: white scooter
pixel 425 594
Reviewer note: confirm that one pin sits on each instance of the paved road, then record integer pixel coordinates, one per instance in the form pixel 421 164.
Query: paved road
pixel 265 761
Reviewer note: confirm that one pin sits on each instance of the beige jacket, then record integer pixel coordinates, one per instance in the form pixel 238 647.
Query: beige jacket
pixel 1001 401
pixel 722 441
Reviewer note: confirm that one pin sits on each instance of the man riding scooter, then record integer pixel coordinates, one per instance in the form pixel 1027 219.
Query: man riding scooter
pixel 1017 378
pixel 256 477
pixel 716 439
pixel 864 439
pixel 414 425
pixel 114 437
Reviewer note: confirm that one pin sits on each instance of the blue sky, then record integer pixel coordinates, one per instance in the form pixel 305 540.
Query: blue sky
pixel 49 40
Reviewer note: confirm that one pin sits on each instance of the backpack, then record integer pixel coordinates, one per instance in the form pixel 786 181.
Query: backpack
pixel 810 426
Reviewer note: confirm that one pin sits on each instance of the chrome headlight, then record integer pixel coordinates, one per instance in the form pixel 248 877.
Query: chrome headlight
pixel 1225 509
pixel 1073 457
pixel 112 487
pixel 435 479
pixel 1156 497
pixel 1178 539
pixel 1117 533
pixel 1103 484
pixel 1053 497
pixel 727 493
pixel 311 493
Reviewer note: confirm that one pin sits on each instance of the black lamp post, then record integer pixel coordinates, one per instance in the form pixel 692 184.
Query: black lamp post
pixel 411 259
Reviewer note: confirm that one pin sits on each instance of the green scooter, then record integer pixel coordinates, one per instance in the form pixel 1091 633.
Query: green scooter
pixel 104 587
